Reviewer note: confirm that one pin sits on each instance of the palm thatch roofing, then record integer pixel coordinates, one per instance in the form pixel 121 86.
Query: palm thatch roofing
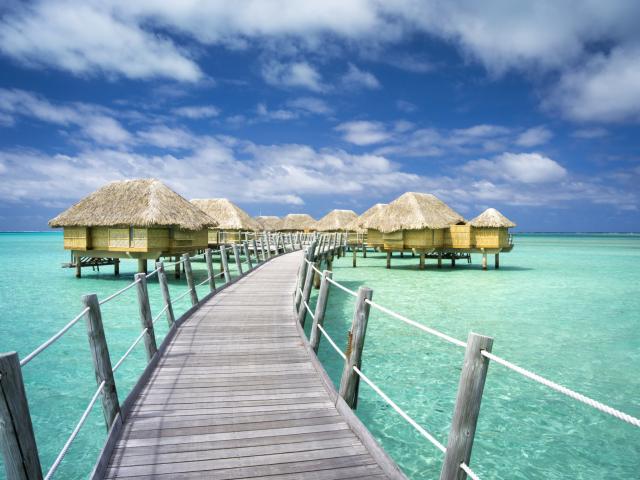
pixel 361 223
pixel 268 222
pixel 492 218
pixel 415 211
pixel 228 215
pixel 139 203
pixel 336 220
pixel 298 222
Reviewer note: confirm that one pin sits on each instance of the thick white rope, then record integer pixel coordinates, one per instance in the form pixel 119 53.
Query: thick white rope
pixel 413 323
pixel 155 319
pixel 180 296
pixel 470 473
pixel 173 263
pixel 203 282
pixel 150 274
pixel 75 432
pixel 333 344
pixel 130 349
pixel 402 413
pixel 308 309
pixel 49 342
pixel 564 390
pixel 119 292
pixel 344 289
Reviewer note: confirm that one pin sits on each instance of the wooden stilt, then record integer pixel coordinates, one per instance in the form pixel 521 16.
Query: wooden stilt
pixel 316 277
pixel 78 267
pixel 497 261
pixel 355 255
pixel 453 262
pixel 177 268
pixel 439 260
pixel 142 265
pixel 364 250
pixel 389 259
pixel 484 260
pixel 116 266
pixel 421 266
pixel 401 254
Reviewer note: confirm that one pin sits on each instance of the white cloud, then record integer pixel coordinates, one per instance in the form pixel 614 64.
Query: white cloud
pixel 534 136
pixel 88 39
pixel 518 167
pixel 311 105
pixel 363 132
pixel 162 136
pixel 279 114
pixel 356 78
pixel 588 133
pixel 294 74
pixel 405 106
pixel 197 111
pixel 605 89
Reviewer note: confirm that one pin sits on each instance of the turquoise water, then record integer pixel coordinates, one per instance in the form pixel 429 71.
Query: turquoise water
pixel 566 306
pixel 38 298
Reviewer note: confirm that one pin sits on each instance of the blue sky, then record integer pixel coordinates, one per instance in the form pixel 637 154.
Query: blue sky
pixel 287 106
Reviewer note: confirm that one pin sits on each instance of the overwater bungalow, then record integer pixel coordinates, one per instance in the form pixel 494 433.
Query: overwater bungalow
pixel 232 220
pixel 298 222
pixel 360 226
pixel 138 219
pixel 336 221
pixel 490 234
pixel 268 223
pixel 414 221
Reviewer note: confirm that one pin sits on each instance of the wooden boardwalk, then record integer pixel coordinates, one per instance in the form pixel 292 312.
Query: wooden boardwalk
pixel 238 394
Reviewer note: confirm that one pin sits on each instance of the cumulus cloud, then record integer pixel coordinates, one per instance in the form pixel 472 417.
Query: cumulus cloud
pixel 312 105
pixel 518 167
pixel 197 111
pixel 363 132
pixel 534 136
pixel 405 106
pixel 294 74
pixel 588 133
pixel 356 78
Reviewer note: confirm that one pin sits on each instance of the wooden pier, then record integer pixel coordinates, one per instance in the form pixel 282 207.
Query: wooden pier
pixel 236 394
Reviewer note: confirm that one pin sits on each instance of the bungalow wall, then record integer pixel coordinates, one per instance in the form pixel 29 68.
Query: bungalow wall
pixel 374 238
pixel 486 237
pixel 459 236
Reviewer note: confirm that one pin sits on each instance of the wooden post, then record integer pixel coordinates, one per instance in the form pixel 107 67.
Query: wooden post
pixel 263 249
pixel 190 283
pixel 142 265
pixel 145 316
pixel 350 380
pixel 388 258
pixel 101 359
pixel 208 257
pixel 439 259
pixel 316 277
pixel 321 308
pixel 236 256
pixel 497 261
pixel 116 266
pixel 245 247
pixel 254 244
pixel 364 250
pixel 306 294
pixel 453 262
pixel 177 267
pixel 164 288
pixel 225 264
pixel 268 244
pixel 355 255
pixel 17 441
pixel 467 408
pixel 421 265
pixel 78 266
pixel 484 260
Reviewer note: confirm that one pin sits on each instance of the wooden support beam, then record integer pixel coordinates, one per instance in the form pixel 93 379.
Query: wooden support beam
pixel 497 261
pixel 101 359
pixel 177 267
pixel 439 259
pixel 142 265
pixel 186 261
pixel 78 266
pixel 484 260
pixel 208 258
pixel 166 297
pixel 146 320
pixel 321 308
pixel 236 256
pixel 268 235
pixel 225 264
pixel 247 254
pixel 453 262
pixel 354 250
pixel 254 244
pixel 17 441
pixel 350 381
pixel 364 250
pixel 116 266
pixel 467 407
pixel 388 258
pixel 421 265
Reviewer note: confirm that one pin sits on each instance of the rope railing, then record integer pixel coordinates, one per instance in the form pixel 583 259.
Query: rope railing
pixel 75 432
pixel 203 282
pixel 119 292
pixel 184 294
pixel 159 314
pixel 130 349
pixel 53 339
pixel 331 342
pixel 306 305
pixel 341 287
pixel 152 273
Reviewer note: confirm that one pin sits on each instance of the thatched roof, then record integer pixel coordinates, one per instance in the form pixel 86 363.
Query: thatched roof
pixel 139 203
pixel 298 221
pixel 492 218
pixel 228 215
pixel 415 211
pixel 268 222
pixel 336 220
pixel 361 223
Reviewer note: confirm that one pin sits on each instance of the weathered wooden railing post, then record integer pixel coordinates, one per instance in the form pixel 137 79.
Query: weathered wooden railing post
pixel 101 359
pixel 164 288
pixel 321 308
pixel 190 283
pixel 225 264
pixel 254 244
pixel 236 256
pixel 467 408
pixel 247 254
pixel 302 272
pixel 263 248
pixel 146 320
pixel 208 256
pixel 350 381
pixel 17 441
pixel 306 294
pixel 268 236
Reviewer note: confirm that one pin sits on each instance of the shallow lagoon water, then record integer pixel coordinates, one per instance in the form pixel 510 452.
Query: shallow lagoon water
pixel 565 306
